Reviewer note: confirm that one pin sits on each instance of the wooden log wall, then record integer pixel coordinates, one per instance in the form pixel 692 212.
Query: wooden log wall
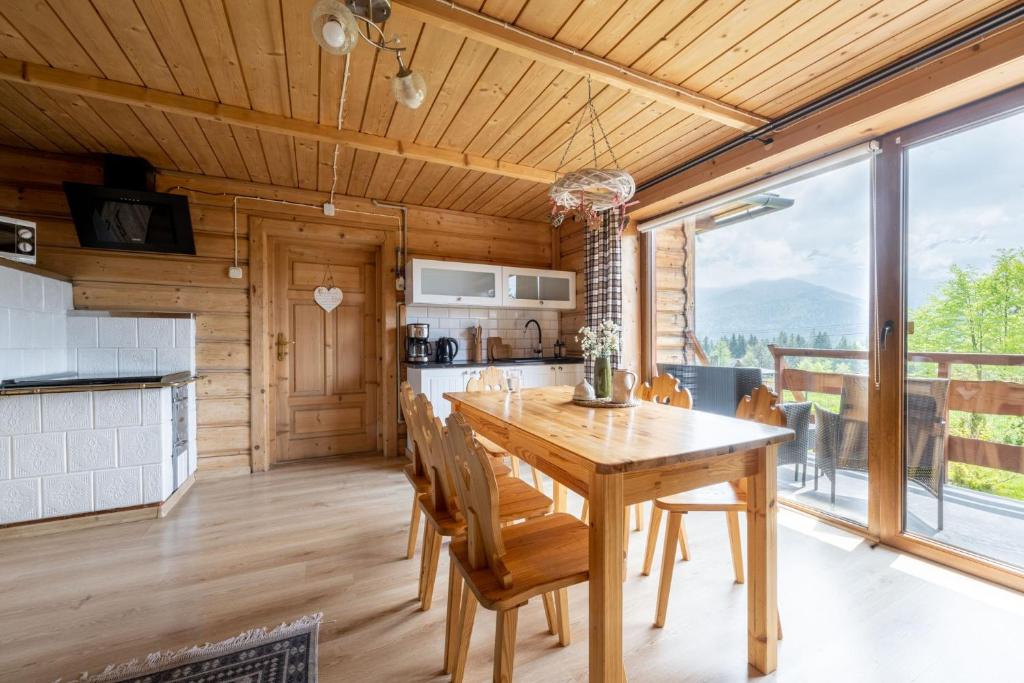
pixel 107 280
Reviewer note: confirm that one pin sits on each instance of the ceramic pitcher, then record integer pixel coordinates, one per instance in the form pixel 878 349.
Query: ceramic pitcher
pixel 623 383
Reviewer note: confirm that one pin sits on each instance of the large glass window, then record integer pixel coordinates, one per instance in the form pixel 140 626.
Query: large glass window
pixel 780 283
pixel 964 390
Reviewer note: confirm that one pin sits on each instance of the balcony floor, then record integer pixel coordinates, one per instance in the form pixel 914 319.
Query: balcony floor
pixel 982 523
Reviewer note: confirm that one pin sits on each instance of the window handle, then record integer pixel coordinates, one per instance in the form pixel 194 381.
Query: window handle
pixel 883 336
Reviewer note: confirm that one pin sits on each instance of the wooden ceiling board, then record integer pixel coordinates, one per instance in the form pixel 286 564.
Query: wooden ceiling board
pixel 655 27
pixel 425 181
pixel 873 51
pixel 170 29
pixel 96 39
pixel 195 141
pixel 384 173
pixel 361 172
pixel 122 118
pixel 249 146
pixel 506 10
pixel 27 133
pixel 626 19
pixel 728 32
pixel 447 182
pixel 470 64
pixel 459 189
pixel 209 23
pixel 42 28
pixel 475 199
pixel 548 17
pixel 502 198
pixel 784 29
pixel 225 147
pixel 14 45
pixel 587 20
pixel 436 52
pixel 539 107
pixel 404 179
pixel 125 23
pixel 80 110
pixel 164 133
pixel 497 81
pixel 24 110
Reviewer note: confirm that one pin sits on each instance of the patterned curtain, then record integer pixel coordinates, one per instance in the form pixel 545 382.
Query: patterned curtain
pixel 602 272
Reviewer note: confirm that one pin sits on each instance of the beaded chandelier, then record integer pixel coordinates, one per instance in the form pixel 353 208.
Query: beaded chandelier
pixel 589 191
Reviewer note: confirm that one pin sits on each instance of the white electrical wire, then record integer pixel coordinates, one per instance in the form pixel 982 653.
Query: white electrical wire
pixel 341 118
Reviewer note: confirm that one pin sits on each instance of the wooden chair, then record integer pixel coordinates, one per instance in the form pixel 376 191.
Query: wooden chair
pixel 443 517
pixel 730 498
pixel 502 567
pixel 415 472
pixel 664 389
pixel 494 379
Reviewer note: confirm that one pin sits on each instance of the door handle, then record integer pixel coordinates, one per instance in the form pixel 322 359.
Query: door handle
pixel 883 336
pixel 282 345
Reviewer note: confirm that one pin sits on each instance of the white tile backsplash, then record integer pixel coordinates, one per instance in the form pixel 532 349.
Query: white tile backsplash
pixel 495 322
pixel 33 312
pixel 83 332
pixel 64 411
pixel 136 362
pixel 19 415
pixel 119 333
pixel 5 457
pixel 131 346
pixel 38 454
pixel 118 408
pixel 156 333
pixel 67 494
pixel 19 500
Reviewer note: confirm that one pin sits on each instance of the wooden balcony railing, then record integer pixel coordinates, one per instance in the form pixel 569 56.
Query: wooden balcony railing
pixel 989 397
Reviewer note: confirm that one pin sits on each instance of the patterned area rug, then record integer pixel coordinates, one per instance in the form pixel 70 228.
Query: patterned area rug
pixel 285 655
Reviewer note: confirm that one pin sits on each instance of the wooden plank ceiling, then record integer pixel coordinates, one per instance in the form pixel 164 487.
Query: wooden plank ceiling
pixel 762 57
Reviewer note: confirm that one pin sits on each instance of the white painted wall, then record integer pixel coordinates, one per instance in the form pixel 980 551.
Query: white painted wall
pixel 33 334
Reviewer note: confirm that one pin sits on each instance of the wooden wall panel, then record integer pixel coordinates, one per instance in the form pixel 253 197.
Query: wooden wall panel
pixel 30 188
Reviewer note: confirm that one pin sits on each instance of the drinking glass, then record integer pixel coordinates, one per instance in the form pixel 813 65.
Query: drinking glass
pixel 515 380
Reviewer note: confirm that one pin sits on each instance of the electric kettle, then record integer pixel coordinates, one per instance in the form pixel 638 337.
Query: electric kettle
pixel 445 350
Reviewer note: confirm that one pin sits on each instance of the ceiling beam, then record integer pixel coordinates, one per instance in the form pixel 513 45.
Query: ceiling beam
pixel 983 68
pixel 139 96
pixel 498 34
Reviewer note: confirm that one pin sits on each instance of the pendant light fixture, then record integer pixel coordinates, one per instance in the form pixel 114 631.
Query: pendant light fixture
pixel 586 192
pixel 338 25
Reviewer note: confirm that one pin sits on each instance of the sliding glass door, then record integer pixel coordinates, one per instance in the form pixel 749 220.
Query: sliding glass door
pixel 963 406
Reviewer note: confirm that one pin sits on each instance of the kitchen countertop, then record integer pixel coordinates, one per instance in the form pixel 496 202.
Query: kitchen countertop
pixel 569 360
pixel 70 383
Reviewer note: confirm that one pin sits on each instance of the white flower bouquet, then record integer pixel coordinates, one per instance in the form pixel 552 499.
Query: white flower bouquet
pixel 603 341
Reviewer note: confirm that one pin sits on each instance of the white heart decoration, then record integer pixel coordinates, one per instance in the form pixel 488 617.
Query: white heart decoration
pixel 328 299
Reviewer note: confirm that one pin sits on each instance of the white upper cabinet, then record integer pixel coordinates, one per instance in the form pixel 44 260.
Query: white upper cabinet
pixel 451 282
pixel 537 288
pixel 477 284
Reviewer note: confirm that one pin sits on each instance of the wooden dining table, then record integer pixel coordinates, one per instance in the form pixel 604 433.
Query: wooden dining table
pixel 617 457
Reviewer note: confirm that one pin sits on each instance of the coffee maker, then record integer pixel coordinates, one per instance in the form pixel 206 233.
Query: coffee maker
pixel 417 348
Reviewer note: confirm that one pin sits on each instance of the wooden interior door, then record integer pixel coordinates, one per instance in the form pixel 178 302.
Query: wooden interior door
pixel 327 388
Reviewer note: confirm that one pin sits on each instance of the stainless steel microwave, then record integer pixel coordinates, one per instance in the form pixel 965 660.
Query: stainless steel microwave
pixel 17 240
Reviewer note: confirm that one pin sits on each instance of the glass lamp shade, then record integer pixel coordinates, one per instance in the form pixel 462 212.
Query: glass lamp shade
pixel 334 27
pixel 409 88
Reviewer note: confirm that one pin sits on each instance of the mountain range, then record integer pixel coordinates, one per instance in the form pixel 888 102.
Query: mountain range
pixel 766 307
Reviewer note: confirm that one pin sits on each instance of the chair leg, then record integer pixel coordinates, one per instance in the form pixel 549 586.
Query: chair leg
pixel 668 560
pixel 451 634
pixel 536 478
pixel 431 574
pixel 652 539
pixel 414 526
pixel 684 542
pixel 515 466
pixel 505 644
pixel 805 474
pixel 585 514
pixel 778 623
pixel 638 517
pixel 467 613
pixel 550 614
pixel 732 519
pixel 428 537
pixel 562 609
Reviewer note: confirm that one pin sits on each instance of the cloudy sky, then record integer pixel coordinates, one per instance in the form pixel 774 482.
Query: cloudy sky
pixel 966 200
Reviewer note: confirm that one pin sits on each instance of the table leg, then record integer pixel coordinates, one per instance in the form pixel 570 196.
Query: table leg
pixel 762 605
pixel 606 552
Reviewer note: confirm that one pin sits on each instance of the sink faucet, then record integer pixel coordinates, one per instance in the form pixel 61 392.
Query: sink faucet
pixel 539 348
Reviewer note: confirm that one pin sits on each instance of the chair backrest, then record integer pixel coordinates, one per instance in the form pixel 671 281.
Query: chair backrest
pixel 853 400
pixel 488 379
pixel 478 495
pixel 926 402
pixel 759 406
pixel 406 397
pixel 428 433
pixel 665 389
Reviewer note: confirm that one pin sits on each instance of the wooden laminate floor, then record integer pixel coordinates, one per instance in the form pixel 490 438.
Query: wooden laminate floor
pixel 245 552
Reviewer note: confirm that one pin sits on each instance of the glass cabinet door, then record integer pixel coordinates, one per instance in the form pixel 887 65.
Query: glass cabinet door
pixel 451 282
pixel 471 283
pixel 536 288
pixel 557 288
pixel 522 286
